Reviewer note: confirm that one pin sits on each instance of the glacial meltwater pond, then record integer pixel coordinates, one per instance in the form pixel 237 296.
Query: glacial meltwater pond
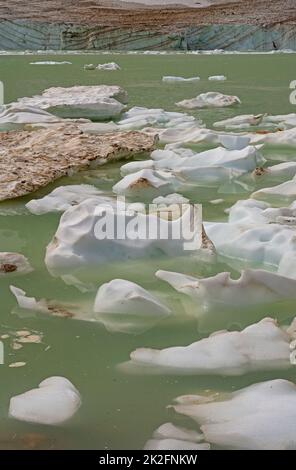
pixel 122 408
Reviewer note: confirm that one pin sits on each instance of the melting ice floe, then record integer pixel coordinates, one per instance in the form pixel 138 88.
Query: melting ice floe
pixel 76 243
pixel 171 437
pixel 16 116
pixel 51 62
pixel 275 173
pixel 15 263
pixel 139 117
pixel 259 347
pixel 172 79
pixel 63 197
pixel 284 193
pixel 98 102
pixel 217 78
pixel 210 100
pixel 174 168
pixel 30 305
pixel 254 287
pixel 272 245
pixel 258 417
pixel 251 211
pixel 111 66
pixel 120 305
pixel 126 307
pixel 246 121
pixel 147 183
pixel 258 234
pixel 55 401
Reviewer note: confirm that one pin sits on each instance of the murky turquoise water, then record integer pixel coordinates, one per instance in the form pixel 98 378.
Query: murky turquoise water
pixel 121 411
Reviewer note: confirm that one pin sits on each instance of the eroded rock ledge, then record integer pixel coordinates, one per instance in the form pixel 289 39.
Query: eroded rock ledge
pixel 31 160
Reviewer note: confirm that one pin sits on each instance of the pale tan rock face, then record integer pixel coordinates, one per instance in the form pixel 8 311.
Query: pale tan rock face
pixel 31 160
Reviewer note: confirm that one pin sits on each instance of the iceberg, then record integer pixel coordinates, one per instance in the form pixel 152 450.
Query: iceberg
pixel 171 437
pixel 140 117
pixel 81 238
pixel 252 288
pixel 209 100
pixel 217 78
pixel 63 197
pixel 51 62
pixel 93 102
pixel 123 306
pixel 256 244
pixel 258 417
pixel 146 183
pixel 111 66
pixel 15 116
pixel 279 195
pixel 15 263
pixel 259 347
pixel 172 79
pixel 55 401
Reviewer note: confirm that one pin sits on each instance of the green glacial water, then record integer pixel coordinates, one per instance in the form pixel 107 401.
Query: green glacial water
pixel 120 411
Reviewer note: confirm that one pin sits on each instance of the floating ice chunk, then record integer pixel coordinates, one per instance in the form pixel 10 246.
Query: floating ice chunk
pixel 286 170
pixel 245 160
pixel 60 199
pixel 174 198
pixel 210 100
pixel 51 62
pixel 281 138
pixel 258 417
pixel 174 444
pixel 139 117
pixel 15 263
pixel 98 102
pixel 89 67
pixel 146 182
pixel 28 303
pixel 15 116
pixel 234 142
pixel 242 121
pixel 170 431
pixel 287 266
pixel 55 401
pixel 257 244
pixel 49 307
pixel 111 66
pixel 253 287
pixel 211 176
pixel 261 346
pixel 284 193
pixel 217 78
pixel 252 211
pixel 209 168
pixel 171 437
pixel 195 134
pixel 134 167
pixel 280 119
pixel 216 201
pixel 81 239
pixel 126 307
pixel 172 79
pixel 189 134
